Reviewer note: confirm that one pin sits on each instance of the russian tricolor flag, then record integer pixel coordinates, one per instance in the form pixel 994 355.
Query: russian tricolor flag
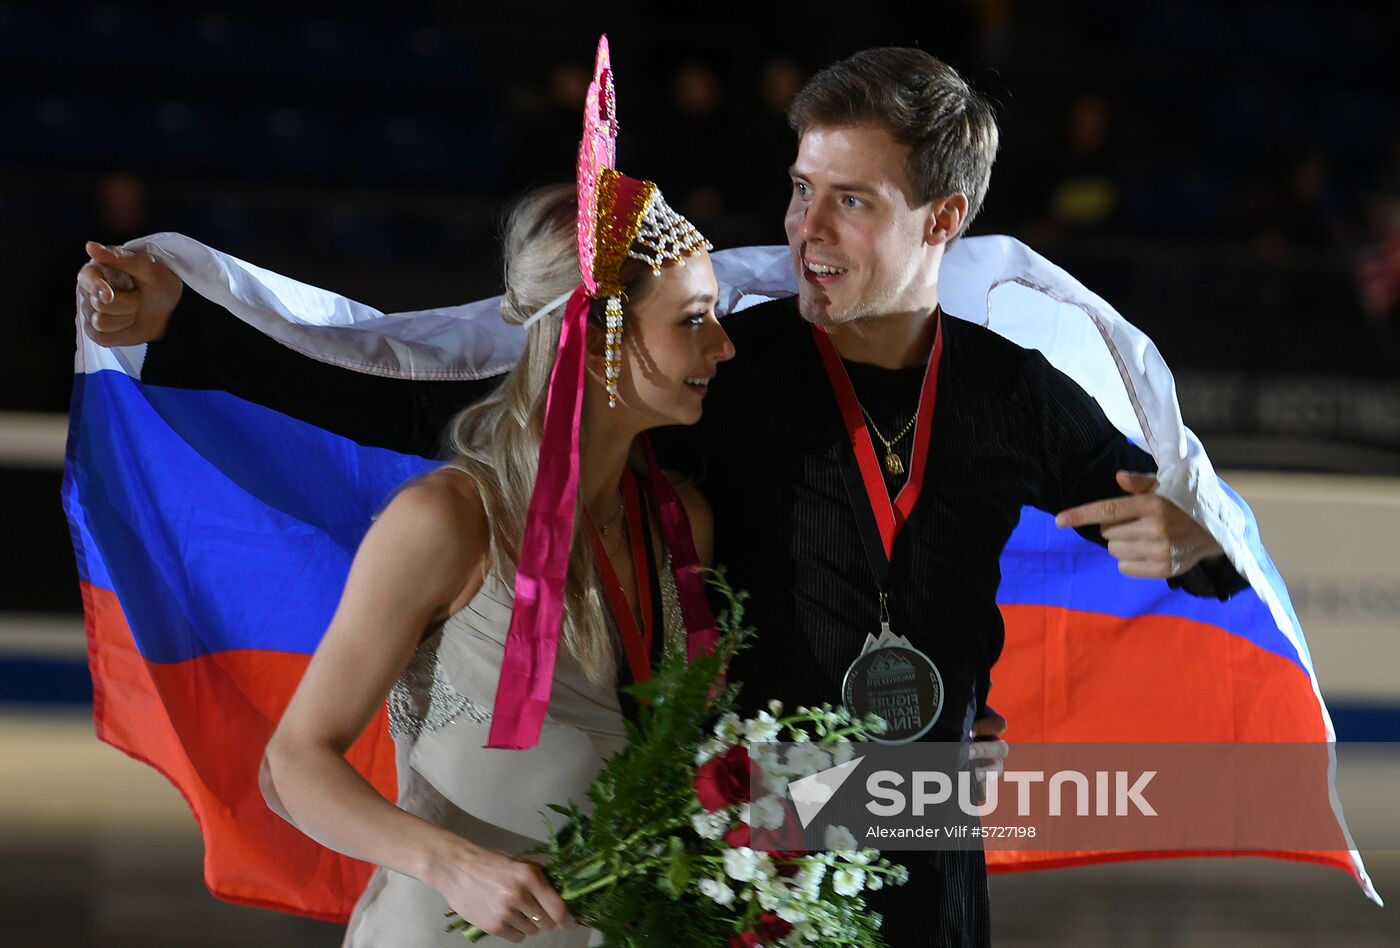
pixel 214 515
pixel 213 536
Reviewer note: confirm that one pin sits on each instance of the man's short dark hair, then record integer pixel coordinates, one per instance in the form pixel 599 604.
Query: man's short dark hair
pixel 949 128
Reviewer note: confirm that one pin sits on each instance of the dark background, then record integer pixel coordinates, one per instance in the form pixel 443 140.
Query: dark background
pixel 1226 174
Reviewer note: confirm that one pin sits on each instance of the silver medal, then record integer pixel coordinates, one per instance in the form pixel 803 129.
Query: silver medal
pixel 898 682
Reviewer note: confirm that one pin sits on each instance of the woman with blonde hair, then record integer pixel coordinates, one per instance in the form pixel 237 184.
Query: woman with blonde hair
pixel 550 485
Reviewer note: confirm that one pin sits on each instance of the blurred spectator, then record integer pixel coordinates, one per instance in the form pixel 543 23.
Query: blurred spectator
pixel 120 208
pixel 994 31
pixel 772 145
pixel 1378 264
pixel 39 376
pixel 546 126
pixel 693 161
pixel 1079 189
pixel 1293 207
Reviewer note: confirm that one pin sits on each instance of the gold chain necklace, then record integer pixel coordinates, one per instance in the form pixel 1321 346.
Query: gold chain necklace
pixel 611 522
pixel 892 462
pixel 615 546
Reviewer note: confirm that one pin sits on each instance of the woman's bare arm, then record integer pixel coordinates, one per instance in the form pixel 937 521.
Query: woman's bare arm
pixel 420 561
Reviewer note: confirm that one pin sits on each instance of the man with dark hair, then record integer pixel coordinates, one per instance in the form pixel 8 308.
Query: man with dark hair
pixel 894 156
pixel 832 535
pixel 950 130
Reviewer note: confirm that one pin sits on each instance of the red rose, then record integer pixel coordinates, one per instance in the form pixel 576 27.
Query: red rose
pixel 768 931
pixel 724 780
pixel 741 836
pixel 786 838
pixel 772 926
pixel 783 861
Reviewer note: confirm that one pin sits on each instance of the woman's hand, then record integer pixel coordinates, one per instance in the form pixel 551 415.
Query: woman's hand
pixel 503 896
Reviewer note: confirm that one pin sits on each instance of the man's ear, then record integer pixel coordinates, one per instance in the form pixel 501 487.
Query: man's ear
pixel 946 218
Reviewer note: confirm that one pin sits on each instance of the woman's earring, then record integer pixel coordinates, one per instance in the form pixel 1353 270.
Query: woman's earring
pixel 612 355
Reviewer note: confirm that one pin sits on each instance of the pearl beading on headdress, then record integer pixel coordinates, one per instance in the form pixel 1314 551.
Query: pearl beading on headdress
pixel 612 356
pixel 662 237
pixel 665 236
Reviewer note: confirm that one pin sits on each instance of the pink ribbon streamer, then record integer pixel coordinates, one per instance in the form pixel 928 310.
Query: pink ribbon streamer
pixel 532 644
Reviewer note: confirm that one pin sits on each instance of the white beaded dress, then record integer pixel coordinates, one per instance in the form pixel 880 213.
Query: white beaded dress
pixel 439 713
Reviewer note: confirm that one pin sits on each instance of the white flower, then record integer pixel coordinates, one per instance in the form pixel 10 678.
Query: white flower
pixel 729 727
pixel 709 749
pixel 766 813
pixel 807 759
pixel 767 757
pixel 775 708
pixel 848 881
pixel 839 839
pixel 774 782
pixel 711 825
pixel 740 864
pixel 717 890
pixel 874 881
pixel 798 735
pixel 809 878
pixel 792 913
pixel 762 729
pixel 842 751
pixel 771 890
pixel 901 874
pixel 776 760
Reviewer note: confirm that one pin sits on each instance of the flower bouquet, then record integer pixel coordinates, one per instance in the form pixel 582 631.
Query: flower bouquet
pixel 674 813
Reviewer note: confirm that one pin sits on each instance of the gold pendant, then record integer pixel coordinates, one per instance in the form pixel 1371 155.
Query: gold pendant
pixel 893 464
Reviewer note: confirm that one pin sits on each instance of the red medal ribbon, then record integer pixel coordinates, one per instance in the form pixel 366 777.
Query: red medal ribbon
pixel 636 642
pixel 888 517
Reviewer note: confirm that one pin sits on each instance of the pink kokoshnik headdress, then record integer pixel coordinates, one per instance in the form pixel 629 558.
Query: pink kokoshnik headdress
pixel 618 217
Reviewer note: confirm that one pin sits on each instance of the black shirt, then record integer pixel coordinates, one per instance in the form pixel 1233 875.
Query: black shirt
pixel 1008 430
pixel 775 461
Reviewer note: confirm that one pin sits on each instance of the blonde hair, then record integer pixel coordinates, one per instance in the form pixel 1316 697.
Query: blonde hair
pixel 497 440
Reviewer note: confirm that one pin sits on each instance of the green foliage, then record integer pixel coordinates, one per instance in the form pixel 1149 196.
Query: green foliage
pixel 645 793
pixel 631 868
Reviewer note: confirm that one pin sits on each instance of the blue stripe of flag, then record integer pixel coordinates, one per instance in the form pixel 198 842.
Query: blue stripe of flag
pixel 1046 566
pixel 220 524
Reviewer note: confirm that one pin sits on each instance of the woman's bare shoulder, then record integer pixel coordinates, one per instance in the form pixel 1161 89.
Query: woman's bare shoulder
pixel 439 522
